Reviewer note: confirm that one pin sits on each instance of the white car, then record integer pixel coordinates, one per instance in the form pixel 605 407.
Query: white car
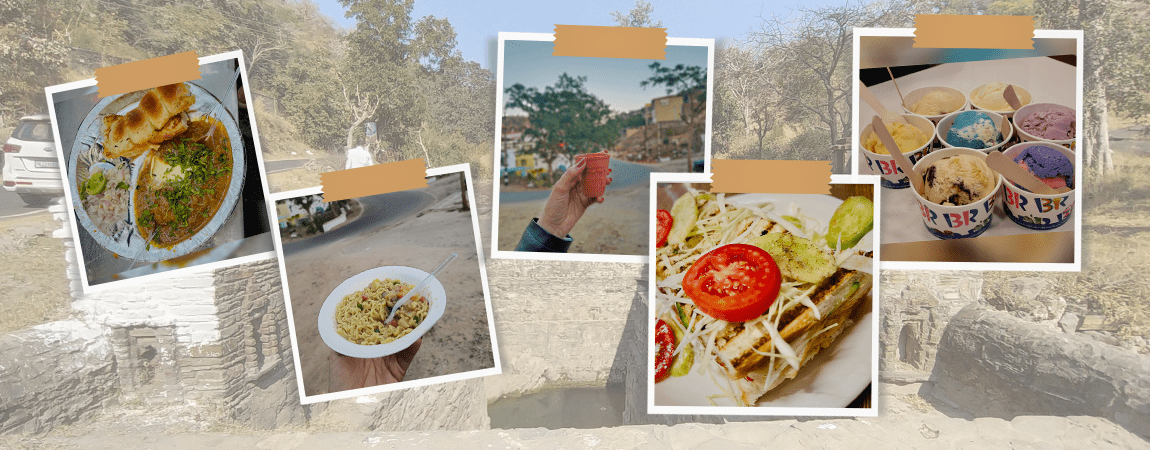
pixel 31 168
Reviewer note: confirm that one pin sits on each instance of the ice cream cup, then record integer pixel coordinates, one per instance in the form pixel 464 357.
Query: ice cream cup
pixel 1036 211
pixel 595 173
pixel 1033 108
pixel 883 165
pixel 914 96
pixel 956 222
pixel 948 120
pixel 1020 91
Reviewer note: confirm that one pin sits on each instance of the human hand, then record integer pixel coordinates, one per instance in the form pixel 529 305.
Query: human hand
pixel 353 373
pixel 567 203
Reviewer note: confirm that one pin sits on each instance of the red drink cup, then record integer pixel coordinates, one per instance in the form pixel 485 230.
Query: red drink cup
pixel 594 173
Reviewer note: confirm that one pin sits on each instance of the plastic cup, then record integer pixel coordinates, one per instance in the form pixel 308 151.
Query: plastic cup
pixel 594 173
pixel 1036 211
pixel 891 177
pixel 1033 108
pixel 914 96
pixel 1023 97
pixel 948 120
pixel 957 222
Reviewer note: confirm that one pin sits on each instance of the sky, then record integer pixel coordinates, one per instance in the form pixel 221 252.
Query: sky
pixel 615 80
pixel 478 23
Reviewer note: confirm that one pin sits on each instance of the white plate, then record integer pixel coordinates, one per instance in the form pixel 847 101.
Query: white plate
pixel 833 379
pixel 122 243
pixel 437 299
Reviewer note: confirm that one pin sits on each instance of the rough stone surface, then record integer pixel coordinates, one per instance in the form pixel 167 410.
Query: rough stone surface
pixel 54 374
pixel 1030 298
pixel 915 307
pixel 1070 433
pixel 991 362
pixel 572 338
pixel 1069 323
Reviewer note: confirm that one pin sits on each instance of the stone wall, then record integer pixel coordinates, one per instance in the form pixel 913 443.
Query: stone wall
pixel 559 323
pixel 991 362
pixel 916 307
pixel 258 371
pixel 54 374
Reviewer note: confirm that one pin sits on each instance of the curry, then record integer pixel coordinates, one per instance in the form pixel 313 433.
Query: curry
pixel 182 184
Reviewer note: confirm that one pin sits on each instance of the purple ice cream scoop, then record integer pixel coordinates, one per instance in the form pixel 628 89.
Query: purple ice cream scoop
pixel 1048 164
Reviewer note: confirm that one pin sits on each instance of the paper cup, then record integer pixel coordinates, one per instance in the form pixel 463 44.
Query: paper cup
pixel 914 96
pixel 883 165
pixel 1033 108
pixel 957 222
pixel 1036 211
pixel 948 120
pixel 1023 96
pixel 595 173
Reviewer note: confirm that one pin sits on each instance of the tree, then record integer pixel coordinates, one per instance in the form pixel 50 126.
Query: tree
pixel 691 83
pixel 388 54
pixel 565 118
pixel 306 202
pixel 638 17
pixel 815 47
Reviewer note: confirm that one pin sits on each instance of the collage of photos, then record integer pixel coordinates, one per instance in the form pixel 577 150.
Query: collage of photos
pixel 742 240
pixel 763 300
pixel 991 141
pixel 579 138
pixel 387 291
pixel 162 178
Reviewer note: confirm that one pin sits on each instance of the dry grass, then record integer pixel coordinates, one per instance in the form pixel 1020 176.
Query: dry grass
pixel 32 273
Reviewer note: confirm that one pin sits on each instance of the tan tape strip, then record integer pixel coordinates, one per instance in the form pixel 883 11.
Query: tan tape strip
pixel 149 73
pixel 610 42
pixel 371 180
pixel 953 31
pixel 776 177
pixel 1046 247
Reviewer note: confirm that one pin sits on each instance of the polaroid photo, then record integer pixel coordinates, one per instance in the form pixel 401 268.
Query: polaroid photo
pixel 345 264
pixel 960 132
pixel 607 122
pixel 161 179
pixel 763 304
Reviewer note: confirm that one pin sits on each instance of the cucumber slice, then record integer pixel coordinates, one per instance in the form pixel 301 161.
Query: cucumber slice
pixel 797 257
pixel 685 214
pixel 852 220
pixel 681 365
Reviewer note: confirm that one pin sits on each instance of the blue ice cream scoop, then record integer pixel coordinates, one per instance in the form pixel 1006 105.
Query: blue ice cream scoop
pixel 1048 164
pixel 973 129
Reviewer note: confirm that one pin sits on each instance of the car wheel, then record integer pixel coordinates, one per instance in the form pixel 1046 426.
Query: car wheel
pixel 35 200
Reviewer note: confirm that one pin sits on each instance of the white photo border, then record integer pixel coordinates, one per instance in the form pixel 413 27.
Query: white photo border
pixel 494 370
pixel 766 410
pixel 591 257
pixel 75 228
pixel 856 128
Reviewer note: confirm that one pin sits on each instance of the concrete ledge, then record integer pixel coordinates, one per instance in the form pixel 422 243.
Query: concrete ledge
pixel 991 363
pixel 54 374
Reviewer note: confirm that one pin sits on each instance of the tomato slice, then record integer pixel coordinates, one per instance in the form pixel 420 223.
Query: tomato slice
pixel 664 222
pixel 664 351
pixel 735 282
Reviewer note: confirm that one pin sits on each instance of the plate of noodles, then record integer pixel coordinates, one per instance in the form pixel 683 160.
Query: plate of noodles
pixel 351 318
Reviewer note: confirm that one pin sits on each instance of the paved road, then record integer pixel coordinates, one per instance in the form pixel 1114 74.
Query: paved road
pixel 623 174
pixel 12 206
pixel 378 211
pixel 283 164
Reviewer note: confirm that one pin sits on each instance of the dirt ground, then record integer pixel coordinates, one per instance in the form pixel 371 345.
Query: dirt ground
pixel 32 297
pixel 459 342
pixel 618 226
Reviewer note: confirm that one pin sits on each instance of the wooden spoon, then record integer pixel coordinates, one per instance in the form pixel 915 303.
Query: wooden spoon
pixel 899 158
pixel 1013 172
pixel 1011 97
pixel 901 99
pixel 871 100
